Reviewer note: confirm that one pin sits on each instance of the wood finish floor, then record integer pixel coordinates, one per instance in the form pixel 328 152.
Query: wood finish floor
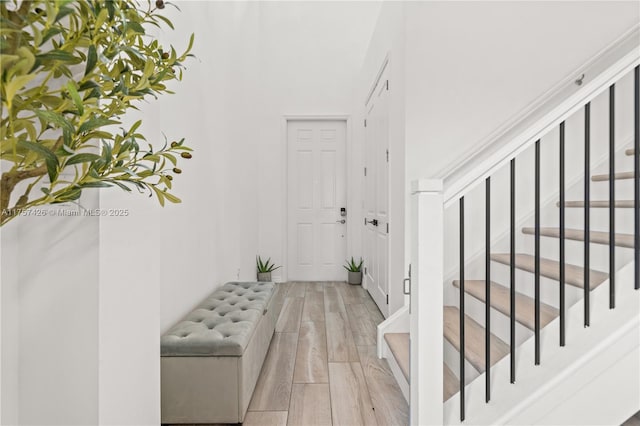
pixel 322 368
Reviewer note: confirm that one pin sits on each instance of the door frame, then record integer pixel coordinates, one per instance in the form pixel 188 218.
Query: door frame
pixel 286 118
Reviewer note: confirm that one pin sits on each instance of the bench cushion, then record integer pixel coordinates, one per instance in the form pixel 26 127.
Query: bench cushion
pixel 222 324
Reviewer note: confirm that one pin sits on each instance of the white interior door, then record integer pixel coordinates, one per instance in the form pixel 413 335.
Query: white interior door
pixel 316 193
pixel 376 235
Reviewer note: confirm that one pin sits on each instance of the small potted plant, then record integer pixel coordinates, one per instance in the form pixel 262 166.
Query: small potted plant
pixel 265 269
pixel 355 271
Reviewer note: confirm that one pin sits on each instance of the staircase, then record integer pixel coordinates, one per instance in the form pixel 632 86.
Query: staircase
pixel 522 289
pixel 525 306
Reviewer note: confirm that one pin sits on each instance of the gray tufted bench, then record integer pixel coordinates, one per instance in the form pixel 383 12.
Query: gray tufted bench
pixel 212 358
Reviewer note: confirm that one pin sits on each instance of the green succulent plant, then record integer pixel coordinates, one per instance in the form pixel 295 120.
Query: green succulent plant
pixel 265 266
pixel 70 71
pixel 353 266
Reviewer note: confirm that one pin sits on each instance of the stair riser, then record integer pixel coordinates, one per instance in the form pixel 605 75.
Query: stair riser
pixel 598 238
pixel 500 324
pixel 599 220
pixel 525 284
pixel 500 273
pixel 574 252
pixel 452 360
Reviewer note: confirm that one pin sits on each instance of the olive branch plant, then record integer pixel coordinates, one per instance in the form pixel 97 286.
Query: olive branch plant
pixel 70 70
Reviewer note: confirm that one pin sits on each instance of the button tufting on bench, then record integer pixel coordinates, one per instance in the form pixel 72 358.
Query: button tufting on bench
pixel 222 324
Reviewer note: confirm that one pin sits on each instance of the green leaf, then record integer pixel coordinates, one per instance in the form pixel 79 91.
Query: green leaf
pixel 99 184
pixel 135 126
pixel 51 101
pixel 159 194
pixel 84 157
pixel 171 158
pixel 50 33
pixel 121 185
pixel 136 27
pixel 50 157
pixel 94 123
pixel 64 11
pixel 70 194
pixel 56 118
pixel 172 198
pixel 106 152
pixel 89 84
pixel 112 10
pixel 191 39
pixel 58 55
pixel 134 53
pixel 52 168
pixel 92 59
pixel 71 87
pixel 16 83
pixel 165 20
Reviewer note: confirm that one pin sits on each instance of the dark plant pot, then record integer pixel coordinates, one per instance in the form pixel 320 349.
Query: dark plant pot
pixel 264 276
pixel 355 278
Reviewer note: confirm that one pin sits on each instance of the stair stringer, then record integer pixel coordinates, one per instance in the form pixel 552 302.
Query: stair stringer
pixel 396 323
pixel 570 373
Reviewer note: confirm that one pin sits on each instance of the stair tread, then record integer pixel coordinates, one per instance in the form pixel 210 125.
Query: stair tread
pixel 474 339
pixel 451 383
pixel 399 345
pixel 597 237
pixel 574 275
pixel 625 204
pixel 501 301
pixel 617 176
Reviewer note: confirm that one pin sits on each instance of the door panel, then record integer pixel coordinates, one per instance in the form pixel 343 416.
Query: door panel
pixel 376 237
pixel 316 192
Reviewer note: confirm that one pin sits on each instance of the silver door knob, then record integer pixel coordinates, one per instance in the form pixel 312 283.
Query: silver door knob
pixel 341 221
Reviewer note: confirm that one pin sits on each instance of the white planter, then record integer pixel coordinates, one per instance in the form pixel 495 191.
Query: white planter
pixel 355 278
pixel 264 276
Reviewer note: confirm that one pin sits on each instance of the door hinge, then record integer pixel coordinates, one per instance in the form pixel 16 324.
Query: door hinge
pixel 387 299
pixel 387 227
pixel 387 156
pixel 387 84
pixel 365 171
pixel 365 221
pixel 365 123
pixel 365 270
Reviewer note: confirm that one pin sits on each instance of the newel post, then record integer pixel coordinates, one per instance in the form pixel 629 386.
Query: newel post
pixel 427 275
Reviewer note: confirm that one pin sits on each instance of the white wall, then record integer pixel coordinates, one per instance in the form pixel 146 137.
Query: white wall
pixel 9 322
pixel 49 318
pixel 472 66
pixel 256 62
pixel 129 311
